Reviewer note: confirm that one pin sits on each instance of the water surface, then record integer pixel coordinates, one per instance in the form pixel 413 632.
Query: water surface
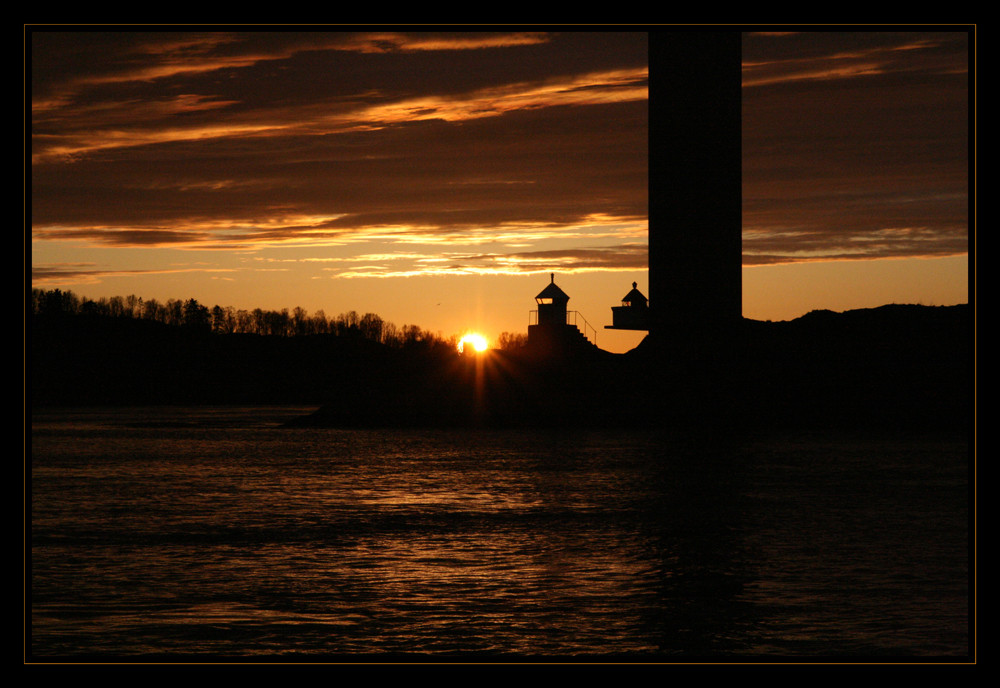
pixel 214 532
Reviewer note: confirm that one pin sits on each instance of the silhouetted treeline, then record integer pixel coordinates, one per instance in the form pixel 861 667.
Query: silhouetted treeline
pixel 904 367
pixel 127 350
pixel 228 320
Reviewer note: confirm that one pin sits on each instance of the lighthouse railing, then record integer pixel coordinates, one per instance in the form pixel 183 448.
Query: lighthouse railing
pixel 576 318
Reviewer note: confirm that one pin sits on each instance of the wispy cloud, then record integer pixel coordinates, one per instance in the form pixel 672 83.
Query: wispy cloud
pixel 74 131
pixel 622 257
pixel 89 273
pixel 769 246
pixel 511 152
pixel 403 42
pixel 835 63
pixel 855 146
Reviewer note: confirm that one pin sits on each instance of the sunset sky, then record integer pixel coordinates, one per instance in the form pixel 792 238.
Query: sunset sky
pixel 436 179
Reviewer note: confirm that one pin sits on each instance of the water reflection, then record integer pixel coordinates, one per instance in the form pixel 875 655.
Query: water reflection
pixel 259 541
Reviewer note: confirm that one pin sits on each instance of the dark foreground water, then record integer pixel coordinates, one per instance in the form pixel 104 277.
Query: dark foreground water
pixel 208 533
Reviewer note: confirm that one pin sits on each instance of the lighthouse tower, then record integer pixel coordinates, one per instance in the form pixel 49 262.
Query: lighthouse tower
pixel 554 331
pixel 552 305
pixel 633 314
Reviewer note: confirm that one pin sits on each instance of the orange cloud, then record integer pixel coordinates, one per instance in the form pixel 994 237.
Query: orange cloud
pixel 400 42
pixel 89 273
pixel 835 65
pixel 146 123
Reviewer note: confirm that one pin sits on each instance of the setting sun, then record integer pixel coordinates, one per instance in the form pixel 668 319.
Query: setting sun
pixel 476 341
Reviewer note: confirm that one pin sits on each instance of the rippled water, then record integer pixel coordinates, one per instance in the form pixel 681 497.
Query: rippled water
pixel 215 532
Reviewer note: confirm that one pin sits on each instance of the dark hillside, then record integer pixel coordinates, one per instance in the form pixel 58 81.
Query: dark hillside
pixel 908 367
pixel 81 360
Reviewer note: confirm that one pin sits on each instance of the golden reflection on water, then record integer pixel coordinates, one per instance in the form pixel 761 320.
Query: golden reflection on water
pixel 442 497
pixel 256 541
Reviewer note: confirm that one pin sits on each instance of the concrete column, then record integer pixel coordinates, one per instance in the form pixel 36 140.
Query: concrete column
pixel 695 182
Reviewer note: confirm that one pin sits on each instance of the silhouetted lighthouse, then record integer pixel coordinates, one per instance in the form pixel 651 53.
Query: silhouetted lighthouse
pixel 633 314
pixel 552 305
pixel 553 332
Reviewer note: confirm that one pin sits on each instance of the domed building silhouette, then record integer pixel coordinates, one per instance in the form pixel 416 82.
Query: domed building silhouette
pixel 633 314
pixel 556 328
pixel 552 305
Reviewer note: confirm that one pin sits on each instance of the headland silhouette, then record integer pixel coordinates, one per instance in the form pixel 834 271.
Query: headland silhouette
pixel 906 367
pixel 893 368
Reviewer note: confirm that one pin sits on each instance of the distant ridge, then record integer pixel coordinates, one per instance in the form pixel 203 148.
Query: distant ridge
pixel 891 367
pixel 895 368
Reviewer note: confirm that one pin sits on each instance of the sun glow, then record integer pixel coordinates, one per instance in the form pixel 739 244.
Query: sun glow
pixel 477 342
